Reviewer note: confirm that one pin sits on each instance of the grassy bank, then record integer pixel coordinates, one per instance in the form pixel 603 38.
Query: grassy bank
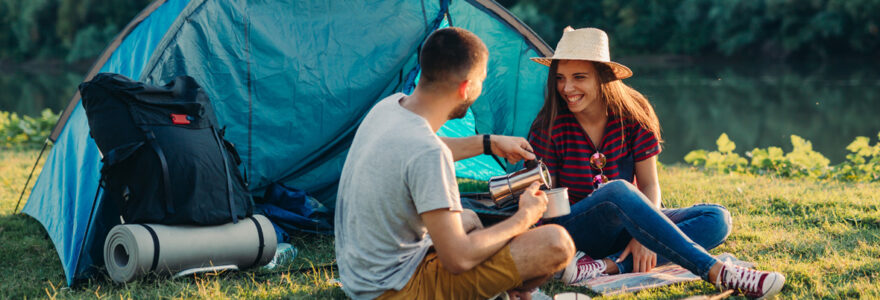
pixel 825 237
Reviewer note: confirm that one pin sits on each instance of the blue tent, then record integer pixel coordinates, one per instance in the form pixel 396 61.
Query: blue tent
pixel 291 80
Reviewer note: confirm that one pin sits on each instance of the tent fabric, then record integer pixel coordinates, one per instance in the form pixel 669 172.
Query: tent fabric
pixel 291 81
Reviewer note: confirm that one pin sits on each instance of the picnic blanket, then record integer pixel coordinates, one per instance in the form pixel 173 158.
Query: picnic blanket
pixel 660 276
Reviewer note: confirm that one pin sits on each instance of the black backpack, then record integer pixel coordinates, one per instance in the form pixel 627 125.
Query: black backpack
pixel 165 159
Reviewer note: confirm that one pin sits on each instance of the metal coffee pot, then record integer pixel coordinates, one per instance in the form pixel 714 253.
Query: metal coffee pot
pixel 505 189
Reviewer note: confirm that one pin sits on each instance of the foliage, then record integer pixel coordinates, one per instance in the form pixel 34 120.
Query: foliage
pixel 25 131
pixel 68 29
pixel 818 28
pixel 467 185
pixel 724 159
pixel 73 30
pixel 862 164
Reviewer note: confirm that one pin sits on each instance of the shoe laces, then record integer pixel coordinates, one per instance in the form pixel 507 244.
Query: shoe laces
pixel 589 268
pixel 742 279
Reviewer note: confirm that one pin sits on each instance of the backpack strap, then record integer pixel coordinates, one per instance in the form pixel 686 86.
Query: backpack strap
pixel 119 154
pixel 166 180
pixel 228 176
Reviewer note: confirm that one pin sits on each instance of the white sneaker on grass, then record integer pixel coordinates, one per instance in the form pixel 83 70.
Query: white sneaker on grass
pixel 749 282
pixel 582 267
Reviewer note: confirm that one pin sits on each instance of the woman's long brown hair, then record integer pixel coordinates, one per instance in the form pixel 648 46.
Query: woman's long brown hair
pixel 621 100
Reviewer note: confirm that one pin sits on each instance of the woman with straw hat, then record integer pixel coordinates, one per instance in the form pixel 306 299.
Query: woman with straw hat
pixel 598 136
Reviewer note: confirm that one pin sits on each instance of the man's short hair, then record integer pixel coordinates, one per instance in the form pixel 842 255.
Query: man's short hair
pixel 449 54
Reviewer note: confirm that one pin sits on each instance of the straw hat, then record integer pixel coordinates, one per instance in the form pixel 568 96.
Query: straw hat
pixel 585 44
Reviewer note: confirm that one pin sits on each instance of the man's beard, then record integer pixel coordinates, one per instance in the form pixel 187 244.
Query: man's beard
pixel 461 110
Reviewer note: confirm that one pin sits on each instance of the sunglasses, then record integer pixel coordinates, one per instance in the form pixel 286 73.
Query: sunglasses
pixel 597 161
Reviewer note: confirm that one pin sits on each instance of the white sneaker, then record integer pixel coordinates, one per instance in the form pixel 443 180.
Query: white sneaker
pixel 581 268
pixel 749 282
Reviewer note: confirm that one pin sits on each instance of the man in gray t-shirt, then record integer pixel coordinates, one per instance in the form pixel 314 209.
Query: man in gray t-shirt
pixel 400 228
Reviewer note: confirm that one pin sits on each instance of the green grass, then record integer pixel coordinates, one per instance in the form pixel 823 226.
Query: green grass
pixel 824 236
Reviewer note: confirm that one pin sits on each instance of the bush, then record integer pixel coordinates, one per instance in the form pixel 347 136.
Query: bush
pixel 862 164
pixel 25 131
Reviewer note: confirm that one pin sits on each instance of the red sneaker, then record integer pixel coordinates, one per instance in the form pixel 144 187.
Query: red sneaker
pixel 581 268
pixel 749 282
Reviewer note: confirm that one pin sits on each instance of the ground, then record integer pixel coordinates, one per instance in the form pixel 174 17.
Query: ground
pixel 822 235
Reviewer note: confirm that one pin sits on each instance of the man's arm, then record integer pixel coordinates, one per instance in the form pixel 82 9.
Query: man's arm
pixel 512 148
pixel 460 251
pixel 470 221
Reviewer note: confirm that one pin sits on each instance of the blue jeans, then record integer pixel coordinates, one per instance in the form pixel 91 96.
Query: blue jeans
pixel 602 224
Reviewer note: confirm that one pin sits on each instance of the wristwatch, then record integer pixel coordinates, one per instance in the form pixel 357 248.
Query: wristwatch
pixel 487 145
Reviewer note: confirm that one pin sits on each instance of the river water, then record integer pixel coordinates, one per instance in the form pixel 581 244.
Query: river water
pixel 761 105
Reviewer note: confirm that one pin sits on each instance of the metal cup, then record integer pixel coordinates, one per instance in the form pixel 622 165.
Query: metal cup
pixel 557 203
pixel 507 188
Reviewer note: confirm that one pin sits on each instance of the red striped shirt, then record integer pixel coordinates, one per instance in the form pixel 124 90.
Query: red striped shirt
pixel 567 153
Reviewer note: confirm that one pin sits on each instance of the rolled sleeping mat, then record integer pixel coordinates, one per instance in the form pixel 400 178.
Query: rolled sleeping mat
pixel 132 250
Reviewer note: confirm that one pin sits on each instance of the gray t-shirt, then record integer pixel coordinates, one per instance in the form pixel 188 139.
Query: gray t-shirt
pixel 397 168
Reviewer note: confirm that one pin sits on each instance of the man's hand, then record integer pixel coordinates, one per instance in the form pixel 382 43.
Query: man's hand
pixel 513 148
pixel 643 258
pixel 532 203
pixel 460 251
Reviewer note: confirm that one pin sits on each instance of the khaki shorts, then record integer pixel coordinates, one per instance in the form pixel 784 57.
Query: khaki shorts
pixel 432 281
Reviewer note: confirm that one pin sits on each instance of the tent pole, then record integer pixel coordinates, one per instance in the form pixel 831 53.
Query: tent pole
pixel 82 245
pixel 31 175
